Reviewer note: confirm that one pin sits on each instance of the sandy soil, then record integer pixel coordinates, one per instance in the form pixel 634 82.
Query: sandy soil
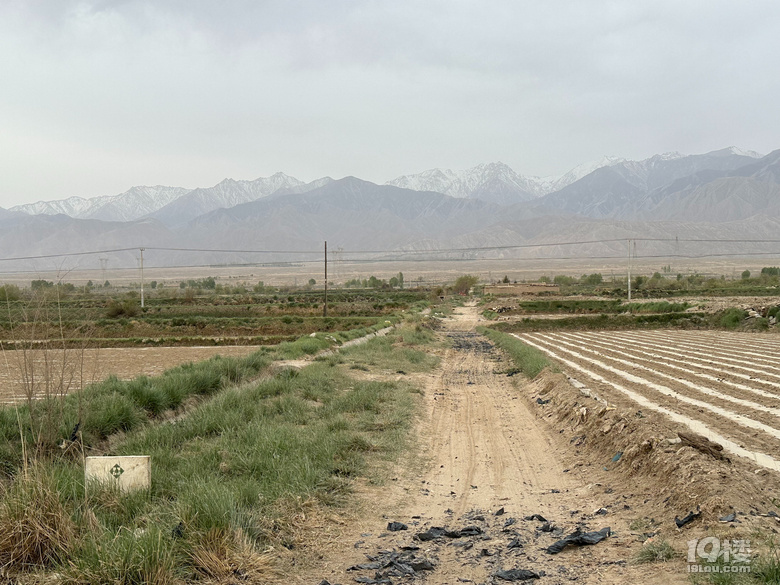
pixel 490 462
pixel 95 365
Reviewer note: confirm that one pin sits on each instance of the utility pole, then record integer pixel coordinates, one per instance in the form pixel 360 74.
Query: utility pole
pixel 629 271
pixel 142 277
pixel 325 308
pixel 103 266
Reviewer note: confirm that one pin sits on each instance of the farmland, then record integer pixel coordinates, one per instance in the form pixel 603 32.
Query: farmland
pixel 725 386
pixel 104 320
pixel 428 425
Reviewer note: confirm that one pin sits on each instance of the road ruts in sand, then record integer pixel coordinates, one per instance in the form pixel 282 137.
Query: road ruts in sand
pixel 494 473
pixel 725 386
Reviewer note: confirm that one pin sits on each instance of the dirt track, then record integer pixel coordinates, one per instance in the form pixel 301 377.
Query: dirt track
pixel 485 449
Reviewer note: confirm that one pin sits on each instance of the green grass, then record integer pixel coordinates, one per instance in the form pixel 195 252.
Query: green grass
pixel 604 321
pixel 106 408
pixel 226 477
pixel 219 478
pixel 527 359
pixel 654 307
pixel 732 318
pixel 399 351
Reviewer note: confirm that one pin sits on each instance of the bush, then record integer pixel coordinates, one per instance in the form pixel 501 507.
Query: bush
pixel 10 292
pixel 732 318
pixel 464 283
pixel 126 308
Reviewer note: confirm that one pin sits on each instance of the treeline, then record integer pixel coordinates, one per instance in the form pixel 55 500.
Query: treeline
pixel 396 281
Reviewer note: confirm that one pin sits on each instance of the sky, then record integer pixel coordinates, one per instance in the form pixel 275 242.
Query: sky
pixel 99 96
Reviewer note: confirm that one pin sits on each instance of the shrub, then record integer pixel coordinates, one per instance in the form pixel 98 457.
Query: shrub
pixel 10 292
pixel 732 318
pixel 464 283
pixel 126 308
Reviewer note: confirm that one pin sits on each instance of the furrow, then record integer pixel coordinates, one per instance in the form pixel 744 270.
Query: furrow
pixel 761 459
pixel 652 357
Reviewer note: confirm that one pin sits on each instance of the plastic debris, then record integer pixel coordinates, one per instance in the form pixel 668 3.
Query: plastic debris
pixel 730 518
pixel 578 538
pixel 687 519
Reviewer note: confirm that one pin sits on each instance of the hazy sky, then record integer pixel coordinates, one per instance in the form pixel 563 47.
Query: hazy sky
pixel 98 96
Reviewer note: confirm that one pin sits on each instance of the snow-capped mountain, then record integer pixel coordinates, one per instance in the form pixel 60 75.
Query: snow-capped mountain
pixel 128 206
pixel 227 194
pixel 495 182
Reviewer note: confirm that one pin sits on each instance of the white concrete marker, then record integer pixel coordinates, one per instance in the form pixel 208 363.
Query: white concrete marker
pixel 127 473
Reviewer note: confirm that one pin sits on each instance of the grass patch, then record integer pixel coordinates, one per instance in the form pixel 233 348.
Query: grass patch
pixel 106 408
pixel 398 351
pixel 608 322
pixel 224 479
pixel 528 359
pixel 656 552
pixel 655 307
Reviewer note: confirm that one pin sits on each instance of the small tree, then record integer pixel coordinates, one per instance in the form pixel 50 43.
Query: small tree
pixel 464 283
pixel 746 275
pixel 312 282
pixel 10 292
pixel 506 279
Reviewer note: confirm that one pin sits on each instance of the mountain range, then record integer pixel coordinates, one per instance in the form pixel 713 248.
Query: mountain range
pixel 727 191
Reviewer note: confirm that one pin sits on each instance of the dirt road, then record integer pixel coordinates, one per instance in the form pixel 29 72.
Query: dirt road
pixel 490 463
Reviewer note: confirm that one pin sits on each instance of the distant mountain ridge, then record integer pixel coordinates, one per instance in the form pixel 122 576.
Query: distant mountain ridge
pixel 726 194
pixel 495 182
pixel 227 194
pixel 616 191
pixel 717 194
pixel 171 205
pixel 128 206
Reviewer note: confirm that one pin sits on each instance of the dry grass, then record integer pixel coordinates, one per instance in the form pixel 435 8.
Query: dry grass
pixel 35 529
pixel 223 557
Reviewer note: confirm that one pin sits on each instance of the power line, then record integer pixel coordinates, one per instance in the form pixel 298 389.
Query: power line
pixel 397 251
pixel 301 263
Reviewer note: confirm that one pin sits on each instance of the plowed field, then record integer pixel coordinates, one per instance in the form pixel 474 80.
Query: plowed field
pixel 721 385
pixel 94 365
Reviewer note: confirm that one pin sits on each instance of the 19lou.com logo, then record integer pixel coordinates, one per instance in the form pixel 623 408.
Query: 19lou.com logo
pixel 716 555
